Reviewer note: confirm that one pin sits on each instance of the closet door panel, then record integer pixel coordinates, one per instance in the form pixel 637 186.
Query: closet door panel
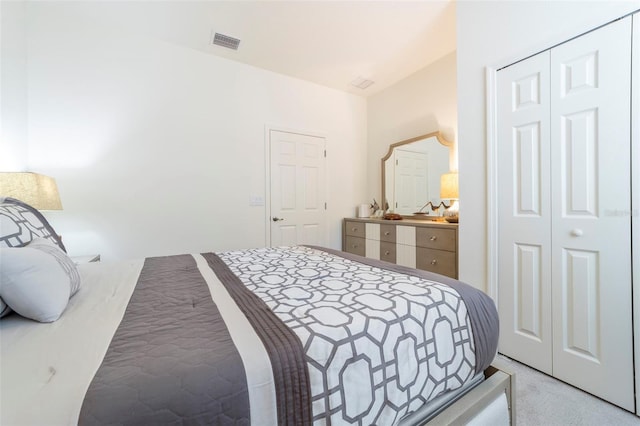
pixel 591 241
pixel 524 237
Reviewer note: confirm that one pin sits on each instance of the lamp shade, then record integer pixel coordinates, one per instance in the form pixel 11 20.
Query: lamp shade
pixel 39 191
pixel 449 186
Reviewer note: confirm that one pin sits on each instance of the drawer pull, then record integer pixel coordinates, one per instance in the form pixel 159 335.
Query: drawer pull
pixel 386 253
pixel 354 246
pixel 433 262
pixel 354 229
pixel 433 238
pixel 387 233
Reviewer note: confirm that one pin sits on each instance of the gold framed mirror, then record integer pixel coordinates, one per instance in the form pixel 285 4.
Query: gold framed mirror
pixel 411 172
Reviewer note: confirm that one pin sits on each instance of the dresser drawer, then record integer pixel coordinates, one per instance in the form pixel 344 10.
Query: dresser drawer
pixel 355 245
pixel 438 261
pixel 388 233
pixel 355 229
pixel 388 251
pixel 434 238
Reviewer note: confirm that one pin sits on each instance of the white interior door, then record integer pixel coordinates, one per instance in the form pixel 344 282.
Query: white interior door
pixel 591 227
pixel 524 211
pixel 297 174
pixel 411 181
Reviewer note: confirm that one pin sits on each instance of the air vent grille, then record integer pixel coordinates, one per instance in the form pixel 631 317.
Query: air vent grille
pixel 226 41
pixel 361 83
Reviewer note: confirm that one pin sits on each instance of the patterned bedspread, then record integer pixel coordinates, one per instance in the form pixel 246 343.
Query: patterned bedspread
pixel 350 340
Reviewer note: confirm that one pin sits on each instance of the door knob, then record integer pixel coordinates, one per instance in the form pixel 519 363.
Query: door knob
pixel 576 232
pixel 277 219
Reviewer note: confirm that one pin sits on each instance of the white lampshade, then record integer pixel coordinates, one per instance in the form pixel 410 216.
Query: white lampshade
pixel 449 186
pixel 39 191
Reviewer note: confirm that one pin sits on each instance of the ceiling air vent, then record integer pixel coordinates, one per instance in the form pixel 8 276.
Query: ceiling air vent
pixel 361 83
pixel 226 41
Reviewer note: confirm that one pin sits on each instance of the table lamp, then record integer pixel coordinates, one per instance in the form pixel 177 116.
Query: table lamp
pixel 39 191
pixel 449 191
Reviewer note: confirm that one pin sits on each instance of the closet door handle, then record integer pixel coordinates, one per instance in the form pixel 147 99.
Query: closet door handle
pixel 577 232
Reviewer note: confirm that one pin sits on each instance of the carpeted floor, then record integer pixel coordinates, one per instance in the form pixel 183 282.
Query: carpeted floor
pixel 545 401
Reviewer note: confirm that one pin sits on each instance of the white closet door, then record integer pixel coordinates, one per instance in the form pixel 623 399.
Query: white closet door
pixel 591 238
pixel 524 236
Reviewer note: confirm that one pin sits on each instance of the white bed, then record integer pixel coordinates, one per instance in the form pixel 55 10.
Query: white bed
pixel 46 369
pixel 300 335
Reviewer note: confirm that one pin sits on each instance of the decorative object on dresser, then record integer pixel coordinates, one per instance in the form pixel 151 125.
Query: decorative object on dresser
pixel 432 206
pixel 430 246
pixel 38 191
pixel 449 191
pixel 392 216
pixel 363 210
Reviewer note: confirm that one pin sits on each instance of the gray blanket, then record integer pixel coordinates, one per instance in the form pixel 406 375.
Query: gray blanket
pixel 171 359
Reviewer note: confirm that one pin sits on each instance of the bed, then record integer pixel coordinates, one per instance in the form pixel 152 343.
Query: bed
pixel 284 335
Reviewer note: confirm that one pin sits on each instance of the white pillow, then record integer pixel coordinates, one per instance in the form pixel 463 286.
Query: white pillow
pixel 37 280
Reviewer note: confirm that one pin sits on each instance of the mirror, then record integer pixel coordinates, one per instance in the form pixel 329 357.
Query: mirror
pixel 411 172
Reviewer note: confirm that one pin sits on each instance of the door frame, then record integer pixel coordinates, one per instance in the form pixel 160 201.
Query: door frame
pixel 491 76
pixel 635 196
pixel 268 128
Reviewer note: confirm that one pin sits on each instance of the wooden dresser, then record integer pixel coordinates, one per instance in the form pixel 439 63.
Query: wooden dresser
pixel 427 245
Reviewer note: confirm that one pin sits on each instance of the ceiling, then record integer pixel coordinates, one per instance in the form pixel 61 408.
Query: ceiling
pixel 327 42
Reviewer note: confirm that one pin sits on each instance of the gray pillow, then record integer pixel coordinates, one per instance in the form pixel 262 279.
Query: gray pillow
pixel 37 280
pixel 21 223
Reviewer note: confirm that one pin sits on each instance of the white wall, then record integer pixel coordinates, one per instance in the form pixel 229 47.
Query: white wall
pixel 422 103
pixel 13 86
pixel 495 34
pixel 157 148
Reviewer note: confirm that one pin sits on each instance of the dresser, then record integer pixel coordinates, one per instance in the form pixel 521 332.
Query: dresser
pixel 427 245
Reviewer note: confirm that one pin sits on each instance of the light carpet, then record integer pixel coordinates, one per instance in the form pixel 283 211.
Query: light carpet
pixel 544 401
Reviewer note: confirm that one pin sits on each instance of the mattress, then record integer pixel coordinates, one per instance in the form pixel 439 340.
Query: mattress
pixel 266 336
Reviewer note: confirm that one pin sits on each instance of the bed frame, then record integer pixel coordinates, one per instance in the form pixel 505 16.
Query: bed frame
pixel 498 379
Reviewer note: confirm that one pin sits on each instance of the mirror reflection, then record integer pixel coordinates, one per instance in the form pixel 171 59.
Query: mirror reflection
pixel 411 173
